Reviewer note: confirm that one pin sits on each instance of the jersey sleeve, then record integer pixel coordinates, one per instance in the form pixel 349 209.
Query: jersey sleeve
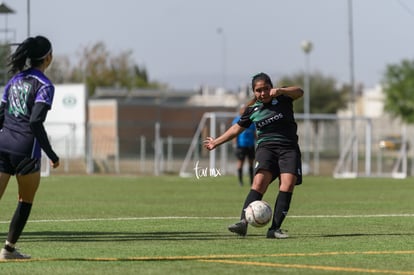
pixel 245 120
pixel 45 95
pixel 284 98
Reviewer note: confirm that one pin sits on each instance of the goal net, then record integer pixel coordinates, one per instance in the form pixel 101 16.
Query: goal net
pixel 44 166
pixel 342 147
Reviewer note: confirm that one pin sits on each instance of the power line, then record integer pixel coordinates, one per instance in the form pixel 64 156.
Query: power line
pixel 405 7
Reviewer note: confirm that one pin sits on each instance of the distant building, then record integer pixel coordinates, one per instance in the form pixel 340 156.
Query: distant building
pixel 119 120
pixel 66 121
pixel 372 102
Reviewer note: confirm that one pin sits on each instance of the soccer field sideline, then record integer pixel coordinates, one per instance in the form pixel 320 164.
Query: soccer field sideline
pixel 214 218
pixel 239 259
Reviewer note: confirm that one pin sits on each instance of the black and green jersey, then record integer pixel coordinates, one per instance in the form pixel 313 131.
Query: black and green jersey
pixel 274 121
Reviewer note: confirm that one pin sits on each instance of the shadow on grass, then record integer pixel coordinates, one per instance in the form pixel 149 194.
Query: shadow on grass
pixel 364 235
pixel 93 236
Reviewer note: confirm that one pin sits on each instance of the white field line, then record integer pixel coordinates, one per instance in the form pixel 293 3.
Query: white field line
pixel 212 218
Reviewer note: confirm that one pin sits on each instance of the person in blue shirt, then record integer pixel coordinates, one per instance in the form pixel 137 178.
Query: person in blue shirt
pixel 27 98
pixel 244 147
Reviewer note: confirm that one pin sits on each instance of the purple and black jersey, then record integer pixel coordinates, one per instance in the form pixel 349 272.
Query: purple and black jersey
pixel 21 93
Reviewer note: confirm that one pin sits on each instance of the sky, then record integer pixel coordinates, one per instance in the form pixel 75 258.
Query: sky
pixel 191 43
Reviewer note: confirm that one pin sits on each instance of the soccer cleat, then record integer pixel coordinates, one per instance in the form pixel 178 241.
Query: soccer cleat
pixel 276 234
pixel 239 228
pixel 15 255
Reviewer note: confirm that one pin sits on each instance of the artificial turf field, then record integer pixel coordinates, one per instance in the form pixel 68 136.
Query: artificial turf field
pixel 173 225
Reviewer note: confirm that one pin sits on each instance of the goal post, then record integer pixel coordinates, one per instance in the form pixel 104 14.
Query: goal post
pixel 44 166
pixel 214 119
pixel 339 149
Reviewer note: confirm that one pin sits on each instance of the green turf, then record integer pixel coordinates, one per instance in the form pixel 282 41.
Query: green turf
pixel 173 225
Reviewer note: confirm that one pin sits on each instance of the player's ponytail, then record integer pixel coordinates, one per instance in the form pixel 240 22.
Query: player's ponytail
pixel 33 48
pixel 251 101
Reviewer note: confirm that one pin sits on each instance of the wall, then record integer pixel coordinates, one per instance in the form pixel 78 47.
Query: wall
pixel 65 122
pixel 131 121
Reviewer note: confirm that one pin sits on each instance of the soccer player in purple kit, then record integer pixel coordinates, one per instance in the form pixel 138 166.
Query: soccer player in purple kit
pixel 26 100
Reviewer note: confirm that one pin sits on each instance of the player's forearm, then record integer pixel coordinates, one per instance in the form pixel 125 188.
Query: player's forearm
pixel 293 92
pixel 224 138
pixel 37 118
pixel 2 106
pixel 41 136
pixel 230 134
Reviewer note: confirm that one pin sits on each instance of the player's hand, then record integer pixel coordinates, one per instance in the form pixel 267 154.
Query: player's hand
pixel 54 164
pixel 209 143
pixel 275 92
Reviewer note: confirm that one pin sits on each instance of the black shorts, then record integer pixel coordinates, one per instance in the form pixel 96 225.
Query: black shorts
pixel 243 152
pixel 279 159
pixel 18 165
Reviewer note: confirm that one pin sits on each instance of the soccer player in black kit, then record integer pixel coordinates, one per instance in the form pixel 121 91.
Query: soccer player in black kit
pixel 277 152
pixel 27 98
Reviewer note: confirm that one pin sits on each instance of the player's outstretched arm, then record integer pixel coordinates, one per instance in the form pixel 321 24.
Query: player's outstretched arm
pixel 210 143
pixel 292 92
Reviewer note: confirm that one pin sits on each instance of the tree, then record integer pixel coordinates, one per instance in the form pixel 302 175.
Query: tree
pixel 398 87
pixel 94 63
pixel 58 70
pixel 4 54
pixel 325 96
pixel 97 67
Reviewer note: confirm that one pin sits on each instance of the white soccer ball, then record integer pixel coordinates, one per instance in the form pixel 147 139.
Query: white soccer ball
pixel 258 213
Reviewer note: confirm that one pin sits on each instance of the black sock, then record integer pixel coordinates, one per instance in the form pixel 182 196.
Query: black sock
pixel 18 221
pixel 9 248
pixel 282 205
pixel 251 197
pixel 240 174
pixel 251 174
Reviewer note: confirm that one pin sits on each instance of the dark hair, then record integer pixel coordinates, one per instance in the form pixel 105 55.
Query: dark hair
pixel 35 49
pixel 259 77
